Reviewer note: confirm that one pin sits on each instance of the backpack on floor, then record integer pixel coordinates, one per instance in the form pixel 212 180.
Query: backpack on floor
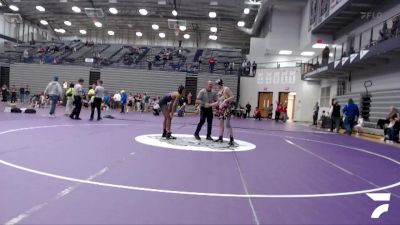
pixel 32 111
pixel 16 110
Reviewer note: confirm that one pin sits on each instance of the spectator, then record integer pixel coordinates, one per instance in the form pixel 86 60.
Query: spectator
pixel 146 102
pixel 124 99
pixel 278 111
pixel 325 56
pixel 200 61
pixel 78 91
pixel 27 92
pixel 226 65
pixel 70 99
pixel 351 113
pixel 13 94
pixel 156 107
pixel 25 56
pixel 4 93
pixel 22 94
pixel 381 122
pixel 54 91
pixel 248 67
pixel 257 114
pixel 360 124
pixel 231 67
pixel 335 116
pixel 248 109
pixel 315 114
pixel 212 62
pixel 384 32
pixel 270 111
pixel 324 120
pixel 392 131
pixel 117 100
pixel 254 68
pixel 284 112
pixel 189 98
pixel 395 26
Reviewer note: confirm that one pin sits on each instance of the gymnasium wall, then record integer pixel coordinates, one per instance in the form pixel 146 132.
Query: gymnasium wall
pixel 307 92
pixel 155 83
pixel 38 76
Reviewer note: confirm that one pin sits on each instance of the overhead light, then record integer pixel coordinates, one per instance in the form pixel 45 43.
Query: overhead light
pixel 1 4
pixel 13 8
pixel 186 36
pixel 319 45
pixel 44 22
pixel 143 12
pixel 40 8
pixel 139 34
pixel 110 32
pixel 59 30
pixel 246 11
pixel 155 26
pixel 76 9
pixel 241 24
pixel 68 23
pixel 182 28
pixel 212 14
pixel 174 12
pixel 307 53
pixel 162 35
pixel 82 31
pixel 331 54
pixel 98 24
pixel 285 52
pixel 113 10
pixel 213 29
pixel 162 2
pixel 213 37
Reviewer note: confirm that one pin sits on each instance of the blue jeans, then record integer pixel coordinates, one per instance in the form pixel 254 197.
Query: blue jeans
pixel 54 100
pixel 349 124
pixel 22 97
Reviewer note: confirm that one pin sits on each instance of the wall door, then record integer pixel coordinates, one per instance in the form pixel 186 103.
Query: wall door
pixel 283 97
pixel 264 100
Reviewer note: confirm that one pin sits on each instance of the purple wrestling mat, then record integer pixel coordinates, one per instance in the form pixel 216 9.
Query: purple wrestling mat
pixel 119 171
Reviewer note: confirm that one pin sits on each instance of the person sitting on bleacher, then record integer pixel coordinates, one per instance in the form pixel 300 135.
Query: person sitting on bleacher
pixel 324 120
pixel 382 122
pixel 391 133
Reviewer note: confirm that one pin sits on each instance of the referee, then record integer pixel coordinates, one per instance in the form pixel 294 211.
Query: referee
pixel 205 97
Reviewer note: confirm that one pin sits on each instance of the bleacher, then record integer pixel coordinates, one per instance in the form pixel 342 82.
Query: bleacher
pixel 117 55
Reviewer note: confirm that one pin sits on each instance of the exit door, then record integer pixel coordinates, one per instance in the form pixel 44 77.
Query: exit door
pixel 264 100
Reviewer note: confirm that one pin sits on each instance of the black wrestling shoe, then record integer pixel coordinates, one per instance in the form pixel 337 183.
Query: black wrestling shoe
pixel 231 142
pixel 170 137
pixel 197 137
pixel 220 139
pixel 164 134
pixel 209 138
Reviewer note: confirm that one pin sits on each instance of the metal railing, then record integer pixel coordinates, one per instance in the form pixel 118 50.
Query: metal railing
pixel 363 40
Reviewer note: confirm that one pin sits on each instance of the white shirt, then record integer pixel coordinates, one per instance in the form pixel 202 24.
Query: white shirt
pixel 117 97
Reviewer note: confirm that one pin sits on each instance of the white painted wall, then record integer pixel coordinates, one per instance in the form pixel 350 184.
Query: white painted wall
pixel 307 93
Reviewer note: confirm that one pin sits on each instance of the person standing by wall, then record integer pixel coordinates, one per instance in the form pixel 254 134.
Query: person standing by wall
pixel 205 96
pixel 212 63
pixel 315 114
pixel 254 69
pixel 27 92
pixel 77 100
pixel 278 111
pixel 22 94
pixel 248 109
pixel 70 99
pixel 325 56
pixel 335 116
pixel 13 94
pixel 231 67
pixel 351 113
pixel 98 98
pixel 4 93
pixel 124 99
pixel 54 91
